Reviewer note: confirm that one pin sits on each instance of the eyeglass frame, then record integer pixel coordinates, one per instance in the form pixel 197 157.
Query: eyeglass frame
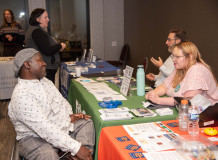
pixel 169 39
pixel 176 57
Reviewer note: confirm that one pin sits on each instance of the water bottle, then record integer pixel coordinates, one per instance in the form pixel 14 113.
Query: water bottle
pixel 183 115
pixel 140 79
pixel 193 124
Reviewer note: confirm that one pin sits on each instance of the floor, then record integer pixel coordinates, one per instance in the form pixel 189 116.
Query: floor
pixel 7 133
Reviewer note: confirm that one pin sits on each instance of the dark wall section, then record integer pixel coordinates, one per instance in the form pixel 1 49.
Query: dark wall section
pixel 147 23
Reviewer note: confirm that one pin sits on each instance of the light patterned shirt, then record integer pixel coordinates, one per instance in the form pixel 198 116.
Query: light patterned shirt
pixel 38 109
pixel 165 70
pixel 198 77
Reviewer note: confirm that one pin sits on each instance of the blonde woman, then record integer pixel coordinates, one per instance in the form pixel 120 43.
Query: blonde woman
pixel 191 76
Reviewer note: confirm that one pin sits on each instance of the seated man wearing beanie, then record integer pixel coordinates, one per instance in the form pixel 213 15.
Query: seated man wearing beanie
pixel 43 119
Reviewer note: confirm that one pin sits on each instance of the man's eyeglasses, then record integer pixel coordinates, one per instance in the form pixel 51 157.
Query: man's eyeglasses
pixel 169 39
pixel 176 57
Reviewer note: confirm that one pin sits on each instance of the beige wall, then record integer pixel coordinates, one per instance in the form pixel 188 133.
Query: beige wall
pixel 147 23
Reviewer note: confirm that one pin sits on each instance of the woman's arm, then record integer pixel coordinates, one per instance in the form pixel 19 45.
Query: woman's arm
pixel 155 94
pixel 161 90
pixel 192 93
pixel 42 41
pixel 153 97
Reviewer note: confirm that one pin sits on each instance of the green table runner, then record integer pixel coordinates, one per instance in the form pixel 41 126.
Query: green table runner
pixel 89 103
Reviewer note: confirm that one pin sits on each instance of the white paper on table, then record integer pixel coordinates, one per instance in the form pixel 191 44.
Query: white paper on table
pixel 70 63
pixel 114 97
pixel 126 80
pixel 124 87
pixel 116 116
pixel 84 81
pixel 143 129
pixel 100 89
pixel 155 143
pixel 166 155
pixel 146 104
pixel 114 110
pixel 73 74
pixel 128 72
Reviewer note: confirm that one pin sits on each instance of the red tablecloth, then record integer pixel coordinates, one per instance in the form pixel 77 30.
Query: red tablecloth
pixel 111 149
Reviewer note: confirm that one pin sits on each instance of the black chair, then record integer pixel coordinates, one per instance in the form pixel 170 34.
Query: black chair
pixel 123 58
pixel 145 63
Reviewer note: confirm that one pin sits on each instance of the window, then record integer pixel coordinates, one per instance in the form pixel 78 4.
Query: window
pixel 19 9
pixel 69 22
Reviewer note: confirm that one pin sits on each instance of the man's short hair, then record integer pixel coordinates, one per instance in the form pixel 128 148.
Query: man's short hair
pixel 179 33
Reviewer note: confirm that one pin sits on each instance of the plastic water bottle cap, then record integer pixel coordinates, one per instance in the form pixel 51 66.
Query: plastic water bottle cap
pixel 184 101
pixel 140 66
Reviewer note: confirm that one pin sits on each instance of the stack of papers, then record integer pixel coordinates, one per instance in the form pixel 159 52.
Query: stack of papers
pixel 115 114
pixel 100 89
pixel 152 137
pixel 143 112
pixel 164 111
pixel 166 155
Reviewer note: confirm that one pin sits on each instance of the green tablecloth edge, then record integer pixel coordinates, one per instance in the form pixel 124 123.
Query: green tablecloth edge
pixel 87 99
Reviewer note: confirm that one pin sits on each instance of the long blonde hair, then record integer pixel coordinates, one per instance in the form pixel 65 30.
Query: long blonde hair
pixel 188 48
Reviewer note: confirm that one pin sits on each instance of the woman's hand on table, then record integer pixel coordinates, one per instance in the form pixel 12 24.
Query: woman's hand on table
pixel 77 116
pixel 152 96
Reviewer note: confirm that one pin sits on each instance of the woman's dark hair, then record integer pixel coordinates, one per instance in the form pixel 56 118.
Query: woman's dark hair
pixel 13 22
pixel 34 15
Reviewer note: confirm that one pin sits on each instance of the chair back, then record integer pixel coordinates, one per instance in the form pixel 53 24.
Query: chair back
pixel 145 63
pixel 124 53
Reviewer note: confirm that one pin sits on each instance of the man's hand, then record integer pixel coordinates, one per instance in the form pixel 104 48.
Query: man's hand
pixel 84 153
pixel 150 76
pixel 78 116
pixel 156 62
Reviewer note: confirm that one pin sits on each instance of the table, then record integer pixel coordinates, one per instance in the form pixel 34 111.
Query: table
pixel 82 100
pixel 110 148
pixel 7 79
pixel 66 68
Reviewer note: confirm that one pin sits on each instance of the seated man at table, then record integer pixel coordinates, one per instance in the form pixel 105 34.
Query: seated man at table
pixel 176 35
pixel 43 119
pixel 192 76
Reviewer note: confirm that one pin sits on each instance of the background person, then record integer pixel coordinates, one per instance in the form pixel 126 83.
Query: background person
pixel 176 35
pixel 11 34
pixel 42 118
pixel 38 38
pixel 192 76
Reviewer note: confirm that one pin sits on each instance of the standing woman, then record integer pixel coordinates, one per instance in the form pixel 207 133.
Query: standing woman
pixel 11 34
pixel 38 38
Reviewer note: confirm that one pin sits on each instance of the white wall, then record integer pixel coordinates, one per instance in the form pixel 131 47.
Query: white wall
pixel 106 26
